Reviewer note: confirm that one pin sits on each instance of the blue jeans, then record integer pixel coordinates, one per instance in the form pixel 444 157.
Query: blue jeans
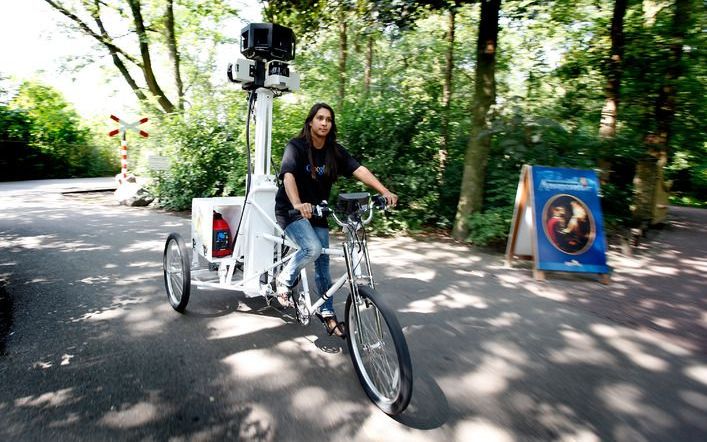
pixel 310 240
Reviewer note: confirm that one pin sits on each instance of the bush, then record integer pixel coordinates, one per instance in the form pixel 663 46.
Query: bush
pixel 41 137
pixel 490 228
pixel 208 159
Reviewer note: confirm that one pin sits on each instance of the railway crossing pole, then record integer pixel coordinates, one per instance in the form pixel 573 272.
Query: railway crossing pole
pixel 124 143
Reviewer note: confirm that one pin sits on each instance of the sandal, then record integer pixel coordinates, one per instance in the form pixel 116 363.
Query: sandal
pixel 333 326
pixel 284 299
pixel 284 295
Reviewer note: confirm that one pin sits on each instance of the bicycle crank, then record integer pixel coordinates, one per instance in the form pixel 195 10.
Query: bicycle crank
pixel 301 311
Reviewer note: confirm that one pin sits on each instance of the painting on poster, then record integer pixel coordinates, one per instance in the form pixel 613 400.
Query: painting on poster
pixel 569 232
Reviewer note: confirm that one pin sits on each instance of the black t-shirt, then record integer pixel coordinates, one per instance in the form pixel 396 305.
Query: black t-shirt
pixel 295 160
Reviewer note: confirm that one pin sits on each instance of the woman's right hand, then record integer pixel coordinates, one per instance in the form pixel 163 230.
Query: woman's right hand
pixel 305 209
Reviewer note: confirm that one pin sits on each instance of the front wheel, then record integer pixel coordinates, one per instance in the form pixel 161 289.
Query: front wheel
pixel 177 272
pixel 379 351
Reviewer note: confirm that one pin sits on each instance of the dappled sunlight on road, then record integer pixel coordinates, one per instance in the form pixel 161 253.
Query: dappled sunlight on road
pixel 156 245
pixel 230 327
pixel 493 374
pixel 536 288
pixel 50 399
pixel 481 429
pixel 659 288
pixel 627 399
pixel 697 373
pixel 481 298
pixel 135 415
pixel 446 301
pixel 637 354
pixel 497 356
pixel 581 348
pixel 318 406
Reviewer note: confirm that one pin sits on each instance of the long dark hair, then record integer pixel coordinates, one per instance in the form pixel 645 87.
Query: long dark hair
pixel 330 150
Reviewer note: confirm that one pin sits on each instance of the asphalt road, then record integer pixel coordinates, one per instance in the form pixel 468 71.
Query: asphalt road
pixel 91 350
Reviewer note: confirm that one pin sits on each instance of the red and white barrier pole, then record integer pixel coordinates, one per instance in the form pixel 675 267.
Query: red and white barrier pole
pixel 124 143
pixel 124 156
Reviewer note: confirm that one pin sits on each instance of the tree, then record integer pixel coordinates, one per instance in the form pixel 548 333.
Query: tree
pixel 42 137
pixel 607 126
pixel 151 25
pixel 447 91
pixel 320 15
pixel 365 17
pixel 472 186
pixel 119 55
pixel 649 185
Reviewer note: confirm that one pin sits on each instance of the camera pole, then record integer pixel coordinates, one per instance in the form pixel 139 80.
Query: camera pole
pixel 265 73
pixel 263 131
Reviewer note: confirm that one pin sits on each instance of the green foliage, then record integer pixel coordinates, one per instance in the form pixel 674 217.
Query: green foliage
pixel 550 72
pixel 491 227
pixel 208 157
pixel 15 125
pixel 42 137
pixel 687 200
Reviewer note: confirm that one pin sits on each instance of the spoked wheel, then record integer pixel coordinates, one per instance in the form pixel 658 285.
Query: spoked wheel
pixel 177 272
pixel 379 352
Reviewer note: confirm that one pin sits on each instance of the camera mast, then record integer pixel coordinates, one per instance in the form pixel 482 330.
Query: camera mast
pixel 264 73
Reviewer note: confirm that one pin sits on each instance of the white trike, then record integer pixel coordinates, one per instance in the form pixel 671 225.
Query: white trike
pixel 374 337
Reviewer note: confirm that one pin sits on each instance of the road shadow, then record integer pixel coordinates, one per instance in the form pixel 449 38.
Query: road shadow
pixel 428 407
pixel 6 316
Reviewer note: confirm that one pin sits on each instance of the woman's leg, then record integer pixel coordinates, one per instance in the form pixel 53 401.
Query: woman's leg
pixel 302 233
pixel 322 277
pixel 323 280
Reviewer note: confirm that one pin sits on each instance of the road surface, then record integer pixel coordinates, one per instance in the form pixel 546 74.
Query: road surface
pixel 92 350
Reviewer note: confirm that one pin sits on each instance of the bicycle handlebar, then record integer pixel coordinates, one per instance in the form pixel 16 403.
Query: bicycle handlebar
pixel 322 210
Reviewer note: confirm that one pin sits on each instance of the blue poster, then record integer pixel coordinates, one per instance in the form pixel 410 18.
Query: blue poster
pixel 568 221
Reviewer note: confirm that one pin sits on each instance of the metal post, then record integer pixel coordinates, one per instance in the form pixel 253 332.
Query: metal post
pixel 263 129
pixel 124 155
pixel 258 251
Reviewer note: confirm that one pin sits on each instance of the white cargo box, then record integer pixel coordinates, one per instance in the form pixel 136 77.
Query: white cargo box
pixel 202 221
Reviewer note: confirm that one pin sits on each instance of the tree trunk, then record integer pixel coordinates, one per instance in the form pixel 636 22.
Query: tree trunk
pixel 369 65
pixel 607 126
pixel 472 187
pixel 114 53
pixel 174 53
pixel 657 142
pixel 446 98
pixel 118 55
pixel 147 71
pixel 343 55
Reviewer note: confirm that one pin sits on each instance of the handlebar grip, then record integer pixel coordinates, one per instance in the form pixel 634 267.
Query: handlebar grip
pixel 379 202
pixel 317 212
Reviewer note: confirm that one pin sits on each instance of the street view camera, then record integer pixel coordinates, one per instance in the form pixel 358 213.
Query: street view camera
pixel 267 48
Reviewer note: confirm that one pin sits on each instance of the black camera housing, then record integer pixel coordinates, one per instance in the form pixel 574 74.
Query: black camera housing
pixel 267 41
pixel 352 203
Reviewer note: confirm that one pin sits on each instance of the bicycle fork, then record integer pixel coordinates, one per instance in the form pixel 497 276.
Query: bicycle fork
pixel 353 270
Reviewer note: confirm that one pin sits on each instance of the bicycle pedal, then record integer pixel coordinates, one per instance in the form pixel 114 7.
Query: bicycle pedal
pixel 301 312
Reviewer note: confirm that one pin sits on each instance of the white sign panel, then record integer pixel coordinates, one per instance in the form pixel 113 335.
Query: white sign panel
pixel 157 162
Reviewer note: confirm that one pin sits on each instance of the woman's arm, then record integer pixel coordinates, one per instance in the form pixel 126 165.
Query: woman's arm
pixel 293 194
pixel 366 177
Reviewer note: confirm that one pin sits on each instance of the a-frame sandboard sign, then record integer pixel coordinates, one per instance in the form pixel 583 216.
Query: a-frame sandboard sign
pixel 557 222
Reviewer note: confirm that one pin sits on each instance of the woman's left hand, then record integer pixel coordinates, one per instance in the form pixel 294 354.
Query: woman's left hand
pixel 391 199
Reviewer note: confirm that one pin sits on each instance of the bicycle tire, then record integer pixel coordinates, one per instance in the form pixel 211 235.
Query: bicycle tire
pixel 177 272
pixel 386 378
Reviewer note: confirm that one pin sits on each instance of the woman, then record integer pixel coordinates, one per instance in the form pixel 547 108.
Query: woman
pixel 310 165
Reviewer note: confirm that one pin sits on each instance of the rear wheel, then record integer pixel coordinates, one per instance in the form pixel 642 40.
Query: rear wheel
pixel 379 351
pixel 177 272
